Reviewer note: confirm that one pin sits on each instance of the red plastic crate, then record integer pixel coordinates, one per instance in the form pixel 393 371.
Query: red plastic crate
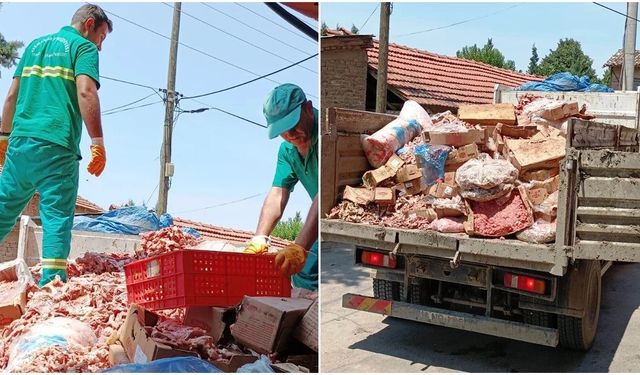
pixel 186 278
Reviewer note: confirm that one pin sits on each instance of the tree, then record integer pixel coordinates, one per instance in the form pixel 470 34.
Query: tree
pixel 533 62
pixel 606 77
pixel 8 51
pixel 354 29
pixel 290 228
pixel 323 28
pixel 567 57
pixel 487 54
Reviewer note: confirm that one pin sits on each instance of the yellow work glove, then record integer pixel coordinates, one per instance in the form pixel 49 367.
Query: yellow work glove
pixel 290 260
pixel 4 143
pixel 257 245
pixel 98 157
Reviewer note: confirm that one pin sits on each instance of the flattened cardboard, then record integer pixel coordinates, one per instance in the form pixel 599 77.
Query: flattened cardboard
pixel 487 114
pixel 540 174
pixel 12 308
pixel 361 196
pixel 235 362
pixel 454 139
pixel 428 213
pixel 211 319
pixel 528 154
pixel 565 110
pixel 307 331
pixel 140 348
pixel 526 131
pixel 408 173
pixel 117 355
pixel 394 163
pixel 265 324
pixel 462 154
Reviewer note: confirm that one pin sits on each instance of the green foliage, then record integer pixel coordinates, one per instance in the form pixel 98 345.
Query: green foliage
pixel 323 28
pixel 606 77
pixel 289 229
pixel 568 57
pixel 9 51
pixel 487 54
pixel 533 62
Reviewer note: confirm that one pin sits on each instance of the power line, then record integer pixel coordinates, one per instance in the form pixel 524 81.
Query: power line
pixel 615 11
pixel 273 22
pixel 209 107
pixel 132 108
pixel 255 29
pixel 460 22
pixel 365 22
pixel 128 104
pixel 129 83
pixel 222 204
pixel 243 40
pixel 189 47
pixel 150 195
pixel 252 80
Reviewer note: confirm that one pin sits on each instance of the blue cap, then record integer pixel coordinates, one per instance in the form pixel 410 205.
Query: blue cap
pixel 282 108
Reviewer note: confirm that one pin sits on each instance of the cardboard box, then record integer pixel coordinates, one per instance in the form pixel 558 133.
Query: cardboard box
pixel 540 174
pixel 428 213
pixel 537 195
pixel 487 114
pixel 384 196
pixel 526 131
pixel 374 177
pixel 13 300
pixel 265 324
pixel 450 178
pixel 117 355
pixel 361 196
pixel 140 348
pixel 454 139
pixel 307 331
pixel 448 212
pixel 442 190
pixel 528 154
pixel 235 362
pixel 408 173
pixel 565 110
pixel 214 320
pixel 462 154
pixel 394 163
pixel 414 186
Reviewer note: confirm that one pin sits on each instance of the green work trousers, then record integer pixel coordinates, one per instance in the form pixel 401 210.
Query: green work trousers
pixel 34 165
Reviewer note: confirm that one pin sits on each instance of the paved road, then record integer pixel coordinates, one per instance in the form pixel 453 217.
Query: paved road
pixel 354 341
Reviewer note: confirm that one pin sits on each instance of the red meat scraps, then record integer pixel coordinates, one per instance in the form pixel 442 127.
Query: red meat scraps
pixel 163 241
pixel 499 218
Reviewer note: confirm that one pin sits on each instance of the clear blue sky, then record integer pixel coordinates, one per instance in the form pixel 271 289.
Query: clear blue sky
pixel 217 158
pixel 514 27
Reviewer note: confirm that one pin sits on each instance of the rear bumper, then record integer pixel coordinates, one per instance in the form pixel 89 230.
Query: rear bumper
pixel 453 319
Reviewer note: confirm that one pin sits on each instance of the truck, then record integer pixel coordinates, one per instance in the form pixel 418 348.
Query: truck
pixel 547 294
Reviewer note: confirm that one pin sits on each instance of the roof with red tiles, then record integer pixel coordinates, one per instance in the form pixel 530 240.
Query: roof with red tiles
pixel 225 234
pixel 432 79
pixel 616 59
pixel 87 206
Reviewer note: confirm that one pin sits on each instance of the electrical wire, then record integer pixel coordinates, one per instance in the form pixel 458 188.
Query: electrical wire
pixel 128 104
pixel 222 204
pixel 367 20
pixel 128 82
pixel 250 81
pixel 255 29
pixel 238 38
pixel 150 195
pixel 209 107
pixel 273 22
pixel 615 11
pixel 458 23
pixel 131 108
pixel 189 47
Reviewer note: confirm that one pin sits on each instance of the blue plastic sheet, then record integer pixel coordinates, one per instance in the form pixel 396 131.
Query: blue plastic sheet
pixel 564 82
pixel 431 159
pixel 261 366
pixel 167 365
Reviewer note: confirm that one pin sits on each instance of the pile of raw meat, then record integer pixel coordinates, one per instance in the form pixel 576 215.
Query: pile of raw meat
pixel 475 188
pixel 164 240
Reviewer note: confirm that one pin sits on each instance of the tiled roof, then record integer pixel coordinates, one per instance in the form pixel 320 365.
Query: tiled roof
pixel 432 79
pixel 225 234
pixel 87 206
pixel 616 59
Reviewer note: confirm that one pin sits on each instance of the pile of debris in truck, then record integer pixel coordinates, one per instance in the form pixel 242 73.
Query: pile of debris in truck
pixel 491 171
pixel 90 324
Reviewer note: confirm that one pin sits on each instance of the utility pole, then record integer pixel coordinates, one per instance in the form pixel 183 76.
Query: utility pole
pixel 166 168
pixel 629 64
pixel 383 54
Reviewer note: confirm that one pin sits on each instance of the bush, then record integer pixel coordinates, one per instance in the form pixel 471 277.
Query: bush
pixel 289 229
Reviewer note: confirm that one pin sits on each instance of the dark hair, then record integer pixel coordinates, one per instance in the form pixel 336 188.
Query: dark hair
pixel 91 11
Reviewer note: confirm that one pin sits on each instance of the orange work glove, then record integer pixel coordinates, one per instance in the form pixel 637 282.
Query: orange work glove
pixel 291 259
pixel 257 245
pixel 4 143
pixel 98 157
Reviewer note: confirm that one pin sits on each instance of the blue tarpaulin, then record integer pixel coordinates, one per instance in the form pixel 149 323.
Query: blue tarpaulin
pixel 564 82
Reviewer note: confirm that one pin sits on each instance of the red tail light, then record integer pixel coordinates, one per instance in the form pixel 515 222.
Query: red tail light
pixel 378 259
pixel 526 283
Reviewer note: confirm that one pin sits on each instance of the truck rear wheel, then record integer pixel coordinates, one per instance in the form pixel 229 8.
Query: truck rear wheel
pixel 388 290
pixel 579 333
pixel 538 318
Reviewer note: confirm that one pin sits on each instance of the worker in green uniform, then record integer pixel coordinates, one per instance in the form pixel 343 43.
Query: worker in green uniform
pixel 291 116
pixel 54 88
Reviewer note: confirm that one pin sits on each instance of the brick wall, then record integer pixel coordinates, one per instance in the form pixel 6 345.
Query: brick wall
pixel 9 247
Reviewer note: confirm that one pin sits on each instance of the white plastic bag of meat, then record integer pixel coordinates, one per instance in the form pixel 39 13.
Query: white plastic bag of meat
pixel 448 225
pixel 485 173
pixel 59 331
pixel 540 232
pixel 381 145
pixel 549 206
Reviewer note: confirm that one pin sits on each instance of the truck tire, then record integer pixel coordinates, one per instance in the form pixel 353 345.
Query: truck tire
pixel 579 333
pixel 538 318
pixel 387 290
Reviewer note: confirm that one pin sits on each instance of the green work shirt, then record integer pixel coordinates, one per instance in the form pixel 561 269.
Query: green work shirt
pixel 47 105
pixel 292 167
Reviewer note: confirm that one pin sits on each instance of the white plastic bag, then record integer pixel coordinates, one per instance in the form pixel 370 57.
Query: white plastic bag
pixel 448 225
pixel 486 173
pixel 262 365
pixel 540 232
